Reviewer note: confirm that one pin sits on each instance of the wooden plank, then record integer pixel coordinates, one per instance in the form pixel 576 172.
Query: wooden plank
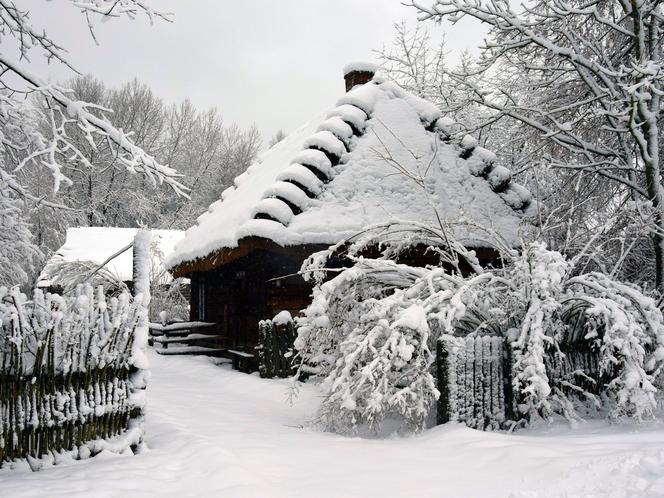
pixel 177 326
pixel 191 350
pixel 186 338
pixel 240 353
pixel 442 362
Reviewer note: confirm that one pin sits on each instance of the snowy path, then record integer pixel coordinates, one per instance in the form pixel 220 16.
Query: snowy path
pixel 215 432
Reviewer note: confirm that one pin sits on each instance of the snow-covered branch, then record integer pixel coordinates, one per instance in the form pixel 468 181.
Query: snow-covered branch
pixel 586 77
pixel 371 329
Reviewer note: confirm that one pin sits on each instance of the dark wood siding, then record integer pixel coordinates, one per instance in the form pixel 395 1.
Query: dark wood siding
pixel 242 293
pixel 263 282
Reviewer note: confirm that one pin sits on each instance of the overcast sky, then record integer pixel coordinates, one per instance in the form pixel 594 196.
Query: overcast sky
pixel 275 63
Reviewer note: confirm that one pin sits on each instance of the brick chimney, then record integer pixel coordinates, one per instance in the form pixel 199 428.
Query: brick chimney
pixel 358 73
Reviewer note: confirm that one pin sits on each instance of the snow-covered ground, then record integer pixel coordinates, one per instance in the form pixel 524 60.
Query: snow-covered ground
pixel 215 432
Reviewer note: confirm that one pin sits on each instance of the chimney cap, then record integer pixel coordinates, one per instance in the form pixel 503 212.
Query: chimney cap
pixel 360 67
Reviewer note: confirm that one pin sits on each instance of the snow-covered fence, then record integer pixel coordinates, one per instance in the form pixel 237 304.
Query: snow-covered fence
pixel 66 380
pixel 474 382
pixel 476 377
pixel 187 338
pixel 275 347
pixel 138 361
pixel 577 369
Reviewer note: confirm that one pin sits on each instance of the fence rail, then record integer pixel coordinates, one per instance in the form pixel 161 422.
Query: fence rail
pixel 41 415
pixel 178 338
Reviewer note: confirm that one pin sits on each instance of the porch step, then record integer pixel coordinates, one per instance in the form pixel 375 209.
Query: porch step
pixel 190 350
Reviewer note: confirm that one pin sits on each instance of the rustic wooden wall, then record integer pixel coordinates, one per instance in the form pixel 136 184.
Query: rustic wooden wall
pixel 263 282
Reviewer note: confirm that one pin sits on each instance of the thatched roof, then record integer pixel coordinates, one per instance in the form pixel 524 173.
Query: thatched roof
pixel 381 153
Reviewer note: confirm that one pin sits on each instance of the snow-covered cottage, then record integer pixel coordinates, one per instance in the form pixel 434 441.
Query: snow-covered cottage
pixel 94 245
pixel 380 153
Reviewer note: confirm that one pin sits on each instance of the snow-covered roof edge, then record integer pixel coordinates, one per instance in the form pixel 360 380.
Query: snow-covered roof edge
pixel 96 244
pixel 312 168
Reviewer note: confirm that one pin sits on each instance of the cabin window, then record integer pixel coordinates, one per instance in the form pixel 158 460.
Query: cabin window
pixel 201 301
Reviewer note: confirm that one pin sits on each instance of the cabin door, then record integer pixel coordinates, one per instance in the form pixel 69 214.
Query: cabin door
pixel 250 301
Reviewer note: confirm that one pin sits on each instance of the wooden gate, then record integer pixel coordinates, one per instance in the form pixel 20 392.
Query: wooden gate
pixel 474 382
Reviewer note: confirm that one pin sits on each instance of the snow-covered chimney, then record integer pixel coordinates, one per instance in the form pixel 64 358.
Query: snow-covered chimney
pixel 358 73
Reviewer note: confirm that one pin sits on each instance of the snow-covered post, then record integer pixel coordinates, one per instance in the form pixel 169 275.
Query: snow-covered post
pixel 443 359
pixel 139 361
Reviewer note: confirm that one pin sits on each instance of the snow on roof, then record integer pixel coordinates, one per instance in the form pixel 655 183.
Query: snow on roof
pixel 381 153
pixel 97 244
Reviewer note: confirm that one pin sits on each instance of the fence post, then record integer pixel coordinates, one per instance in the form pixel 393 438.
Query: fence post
pixel 264 349
pixel 512 395
pixel 442 362
pixel 275 340
pixel 139 361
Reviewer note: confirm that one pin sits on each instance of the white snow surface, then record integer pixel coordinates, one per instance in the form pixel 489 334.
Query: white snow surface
pixel 215 432
pixel 413 318
pixel 282 318
pixel 366 188
pixel 97 244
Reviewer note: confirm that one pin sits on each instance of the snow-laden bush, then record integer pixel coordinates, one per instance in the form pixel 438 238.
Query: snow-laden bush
pixel 370 333
pixel 367 334
pixel 373 349
pixel 629 330
pixel 536 284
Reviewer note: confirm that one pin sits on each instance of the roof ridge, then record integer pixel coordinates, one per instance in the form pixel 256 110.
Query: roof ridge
pixel 308 161
pixel 482 163
pixel 321 152
pixel 325 148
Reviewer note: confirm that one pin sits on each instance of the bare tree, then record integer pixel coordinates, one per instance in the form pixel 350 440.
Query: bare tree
pixel 25 144
pixel 278 137
pixel 589 84
pixel 38 120
pixel 209 153
pixel 195 142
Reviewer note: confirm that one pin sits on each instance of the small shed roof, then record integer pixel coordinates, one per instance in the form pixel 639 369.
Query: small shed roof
pixel 380 154
pixel 97 244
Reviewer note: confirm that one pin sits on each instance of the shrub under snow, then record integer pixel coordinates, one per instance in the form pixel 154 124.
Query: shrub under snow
pixel 370 334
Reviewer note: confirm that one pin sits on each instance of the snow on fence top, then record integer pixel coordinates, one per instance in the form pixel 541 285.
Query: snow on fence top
pixel 96 244
pixel 381 153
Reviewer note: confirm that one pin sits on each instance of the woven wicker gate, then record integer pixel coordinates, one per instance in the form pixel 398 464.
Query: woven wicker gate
pixel 475 378
pixel 474 382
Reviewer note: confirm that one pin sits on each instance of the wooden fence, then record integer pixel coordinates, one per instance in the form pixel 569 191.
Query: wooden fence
pixel 187 338
pixel 474 382
pixel 577 364
pixel 44 415
pixel 66 371
pixel 475 378
pixel 275 349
